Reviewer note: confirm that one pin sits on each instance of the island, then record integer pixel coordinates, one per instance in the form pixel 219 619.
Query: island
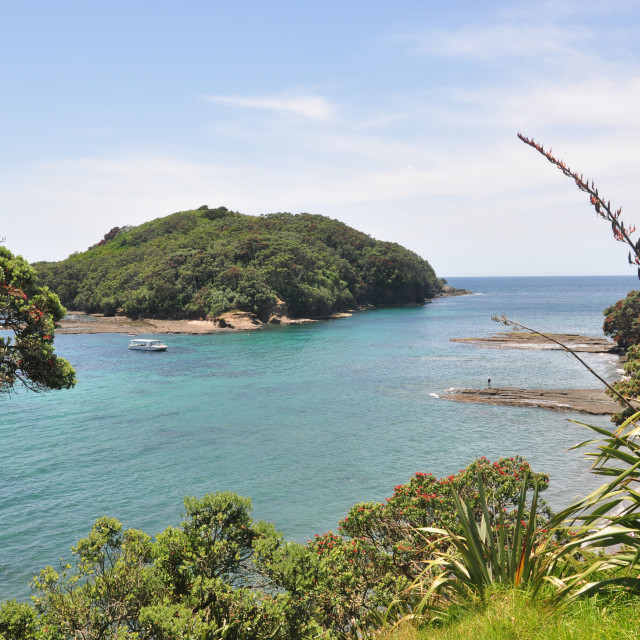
pixel 200 264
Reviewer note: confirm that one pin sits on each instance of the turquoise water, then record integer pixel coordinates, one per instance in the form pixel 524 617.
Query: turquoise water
pixel 307 420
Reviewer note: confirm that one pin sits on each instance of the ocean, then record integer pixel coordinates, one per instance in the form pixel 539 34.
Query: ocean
pixel 307 420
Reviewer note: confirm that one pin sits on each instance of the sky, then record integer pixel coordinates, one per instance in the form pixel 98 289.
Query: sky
pixel 397 118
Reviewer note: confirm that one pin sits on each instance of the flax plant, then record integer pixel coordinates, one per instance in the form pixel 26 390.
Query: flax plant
pixel 468 563
pixel 592 545
pixel 608 519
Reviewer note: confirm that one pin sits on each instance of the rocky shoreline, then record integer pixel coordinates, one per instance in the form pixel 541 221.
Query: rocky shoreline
pixel 591 401
pixel 448 291
pixel 78 322
pixel 526 340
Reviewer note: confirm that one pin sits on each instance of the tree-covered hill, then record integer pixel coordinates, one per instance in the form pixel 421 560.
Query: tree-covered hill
pixel 204 262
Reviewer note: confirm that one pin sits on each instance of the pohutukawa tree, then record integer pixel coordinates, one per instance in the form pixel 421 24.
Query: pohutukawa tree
pixel 29 313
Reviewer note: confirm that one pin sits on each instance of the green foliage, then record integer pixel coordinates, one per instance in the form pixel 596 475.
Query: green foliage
pixel 484 554
pixel 101 595
pixel 211 577
pixel 629 385
pixel 606 523
pixel 219 574
pixel 622 321
pixel 17 621
pixel 208 261
pixel 213 543
pixel 30 313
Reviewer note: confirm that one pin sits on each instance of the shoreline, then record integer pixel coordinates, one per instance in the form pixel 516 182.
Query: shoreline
pixel 79 322
pixel 526 340
pixel 591 401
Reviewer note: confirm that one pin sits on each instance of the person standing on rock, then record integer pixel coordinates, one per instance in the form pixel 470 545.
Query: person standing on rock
pixel 489 383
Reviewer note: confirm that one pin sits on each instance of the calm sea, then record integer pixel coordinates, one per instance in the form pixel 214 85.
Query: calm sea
pixel 307 420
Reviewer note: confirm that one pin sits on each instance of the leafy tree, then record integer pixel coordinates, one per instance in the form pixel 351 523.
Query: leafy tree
pixel 219 574
pixel 18 621
pixel 622 321
pixel 207 261
pixel 30 312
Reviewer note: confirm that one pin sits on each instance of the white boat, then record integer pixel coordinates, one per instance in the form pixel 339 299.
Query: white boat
pixel 147 345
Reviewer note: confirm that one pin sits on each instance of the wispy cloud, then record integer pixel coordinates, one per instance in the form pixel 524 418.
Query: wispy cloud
pixel 490 42
pixel 310 106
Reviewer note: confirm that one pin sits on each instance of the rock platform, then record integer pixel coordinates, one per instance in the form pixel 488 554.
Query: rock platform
pixel 526 340
pixel 591 401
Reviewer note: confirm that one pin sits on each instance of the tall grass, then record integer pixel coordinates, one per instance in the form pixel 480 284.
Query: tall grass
pixel 513 614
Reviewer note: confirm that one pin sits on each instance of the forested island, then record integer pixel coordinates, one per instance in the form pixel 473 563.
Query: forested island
pixel 204 262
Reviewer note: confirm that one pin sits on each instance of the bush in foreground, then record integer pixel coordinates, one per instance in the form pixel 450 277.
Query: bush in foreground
pixel 220 574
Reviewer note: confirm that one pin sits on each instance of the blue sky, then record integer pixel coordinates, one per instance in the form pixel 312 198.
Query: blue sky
pixel 399 119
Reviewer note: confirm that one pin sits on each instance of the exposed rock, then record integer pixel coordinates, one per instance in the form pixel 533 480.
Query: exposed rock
pixel 239 320
pixel 279 310
pixel 448 291
pixel 80 322
pixel 526 340
pixel 593 401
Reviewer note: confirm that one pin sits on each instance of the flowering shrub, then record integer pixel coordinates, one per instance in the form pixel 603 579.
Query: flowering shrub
pixel 379 550
pixel 426 501
pixel 622 321
pixel 220 574
pixel 30 313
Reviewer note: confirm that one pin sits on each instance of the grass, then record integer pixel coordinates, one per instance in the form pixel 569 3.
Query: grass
pixel 511 614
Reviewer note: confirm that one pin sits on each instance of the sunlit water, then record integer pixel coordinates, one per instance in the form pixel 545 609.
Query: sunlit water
pixel 307 420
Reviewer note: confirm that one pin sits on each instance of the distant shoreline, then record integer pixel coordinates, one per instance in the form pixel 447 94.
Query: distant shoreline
pixel 79 322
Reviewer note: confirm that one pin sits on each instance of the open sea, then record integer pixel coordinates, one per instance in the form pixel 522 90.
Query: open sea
pixel 307 420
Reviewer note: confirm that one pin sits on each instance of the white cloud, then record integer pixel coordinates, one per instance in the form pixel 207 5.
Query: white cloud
pixel 605 103
pixel 501 40
pixel 314 107
pixel 438 169
pixel 492 203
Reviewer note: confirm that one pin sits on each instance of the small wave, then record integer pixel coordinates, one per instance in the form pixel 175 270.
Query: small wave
pixel 434 395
